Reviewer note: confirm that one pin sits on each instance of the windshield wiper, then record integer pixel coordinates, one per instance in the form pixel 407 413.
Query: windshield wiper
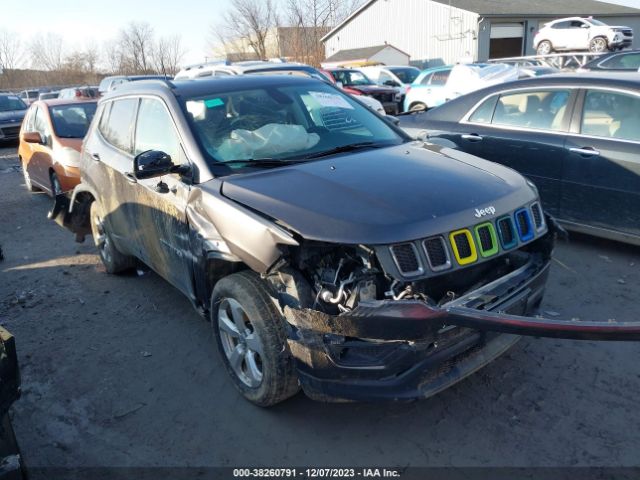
pixel 346 148
pixel 260 162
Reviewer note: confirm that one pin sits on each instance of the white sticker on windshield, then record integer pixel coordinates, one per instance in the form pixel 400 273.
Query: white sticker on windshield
pixel 331 100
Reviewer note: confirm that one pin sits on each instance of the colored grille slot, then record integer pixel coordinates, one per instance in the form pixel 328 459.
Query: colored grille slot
pixel 463 247
pixel 437 255
pixel 487 240
pixel 523 222
pixel 507 233
pixel 406 258
pixel 536 210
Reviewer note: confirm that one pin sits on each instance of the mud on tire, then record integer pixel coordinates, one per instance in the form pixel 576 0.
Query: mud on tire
pixel 267 376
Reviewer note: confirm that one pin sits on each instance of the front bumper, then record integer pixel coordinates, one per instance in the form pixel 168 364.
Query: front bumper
pixel 10 131
pixel 402 350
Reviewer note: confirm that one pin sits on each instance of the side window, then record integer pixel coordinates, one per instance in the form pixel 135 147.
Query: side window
pixel 104 118
pixel 484 113
pixel 560 25
pixel 440 78
pixel 386 79
pixel 622 62
pixel 222 73
pixel 612 115
pixel 577 24
pixel 155 130
pixel 207 73
pixel 41 125
pixel 426 79
pixel 543 110
pixel 118 127
pixel 28 119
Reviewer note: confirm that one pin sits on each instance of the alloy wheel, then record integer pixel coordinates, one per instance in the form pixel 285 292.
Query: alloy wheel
pixel 240 343
pixel 102 239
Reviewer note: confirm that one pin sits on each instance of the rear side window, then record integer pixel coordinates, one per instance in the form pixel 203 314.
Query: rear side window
pixel 484 113
pixel 612 115
pixel 155 130
pixel 116 125
pixel 541 110
pixel 440 78
pixel 623 62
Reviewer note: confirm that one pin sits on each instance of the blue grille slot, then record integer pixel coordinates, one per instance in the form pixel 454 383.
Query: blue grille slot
pixel 524 224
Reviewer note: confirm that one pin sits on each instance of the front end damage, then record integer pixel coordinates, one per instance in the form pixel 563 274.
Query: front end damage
pixel 356 333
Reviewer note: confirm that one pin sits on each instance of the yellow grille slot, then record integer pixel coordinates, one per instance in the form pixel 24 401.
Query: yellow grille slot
pixel 463 247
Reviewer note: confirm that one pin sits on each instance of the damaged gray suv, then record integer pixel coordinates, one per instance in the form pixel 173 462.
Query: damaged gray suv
pixel 329 251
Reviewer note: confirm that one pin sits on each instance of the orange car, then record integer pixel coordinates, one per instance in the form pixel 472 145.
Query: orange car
pixel 50 141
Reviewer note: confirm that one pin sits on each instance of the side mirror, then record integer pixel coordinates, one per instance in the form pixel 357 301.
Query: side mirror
pixel 32 137
pixel 340 85
pixel 152 163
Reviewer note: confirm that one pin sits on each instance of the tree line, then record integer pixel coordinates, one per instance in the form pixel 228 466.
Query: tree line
pixel 299 25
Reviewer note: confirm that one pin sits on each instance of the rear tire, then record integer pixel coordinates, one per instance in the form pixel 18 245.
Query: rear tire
pixel 251 338
pixel 114 262
pixel 544 48
pixel 598 45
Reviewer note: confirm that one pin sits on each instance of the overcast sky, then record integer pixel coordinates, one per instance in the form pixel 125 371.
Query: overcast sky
pixel 79 20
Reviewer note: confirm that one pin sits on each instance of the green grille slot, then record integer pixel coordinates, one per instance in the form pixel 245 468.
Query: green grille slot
pixel 487 239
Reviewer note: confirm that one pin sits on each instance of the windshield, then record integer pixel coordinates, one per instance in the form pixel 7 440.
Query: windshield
pixel 280 123
pixel 8 104
pixel 72 121
pixel 597 23
pixel 351 78
pixel 405 75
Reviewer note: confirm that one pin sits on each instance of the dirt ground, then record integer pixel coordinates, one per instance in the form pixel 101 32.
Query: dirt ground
pixel 122 371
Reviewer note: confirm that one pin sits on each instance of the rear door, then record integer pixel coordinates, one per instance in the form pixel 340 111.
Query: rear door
pixel 109 169
pixel 161 202
pixel 524 130
pixel 601 180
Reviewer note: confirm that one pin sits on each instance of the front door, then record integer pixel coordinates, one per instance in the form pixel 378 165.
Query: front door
pixel 161 202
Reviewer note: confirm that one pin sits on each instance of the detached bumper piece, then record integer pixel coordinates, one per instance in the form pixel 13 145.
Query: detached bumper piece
pixel 402 350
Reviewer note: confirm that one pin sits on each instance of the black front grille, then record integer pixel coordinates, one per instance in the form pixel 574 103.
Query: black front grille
pixel 507 235
pixel 11 131
pixel 462 243
pixel 486 241
pixel 384 97
pixel 537 215
pixel 406 258
pixel 436 253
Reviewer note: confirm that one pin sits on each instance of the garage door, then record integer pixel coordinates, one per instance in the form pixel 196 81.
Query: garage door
pixel 507 30
pixel 506 40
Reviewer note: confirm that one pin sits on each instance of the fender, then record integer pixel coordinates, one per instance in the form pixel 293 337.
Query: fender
pixel 72 212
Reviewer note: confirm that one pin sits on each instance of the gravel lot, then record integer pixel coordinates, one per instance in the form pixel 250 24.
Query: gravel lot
pixel 122 371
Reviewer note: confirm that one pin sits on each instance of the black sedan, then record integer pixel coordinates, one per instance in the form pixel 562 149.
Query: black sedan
pixel 625 61
pixel 577 137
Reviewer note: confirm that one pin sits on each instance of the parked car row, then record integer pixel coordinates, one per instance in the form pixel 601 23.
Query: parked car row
pixel 576 136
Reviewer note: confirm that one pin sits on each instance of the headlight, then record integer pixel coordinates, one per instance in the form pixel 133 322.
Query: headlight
pixel 67 156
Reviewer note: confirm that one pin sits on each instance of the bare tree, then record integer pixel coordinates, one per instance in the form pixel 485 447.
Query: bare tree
pixel 10 50
pixel 136 48
pixel 47 51
pixel 167 54
pixel 248 22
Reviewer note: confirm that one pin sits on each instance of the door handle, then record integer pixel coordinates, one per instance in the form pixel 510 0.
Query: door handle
pixel 95 156
pixel 130 177
pixel 472 137
pixel 586 151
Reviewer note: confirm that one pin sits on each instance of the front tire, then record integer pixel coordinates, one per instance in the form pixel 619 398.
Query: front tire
pixel 27 179
pixel 598 45
pixel 56 186
pixel 418 107
pixel 114 262
pixel 251 338
pixel 544 48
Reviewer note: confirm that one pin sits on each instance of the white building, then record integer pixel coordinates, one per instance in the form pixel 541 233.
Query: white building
pixel 437 32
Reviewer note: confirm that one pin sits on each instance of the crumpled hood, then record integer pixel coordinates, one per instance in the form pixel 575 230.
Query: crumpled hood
pixel 381 196
pixel 12 116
